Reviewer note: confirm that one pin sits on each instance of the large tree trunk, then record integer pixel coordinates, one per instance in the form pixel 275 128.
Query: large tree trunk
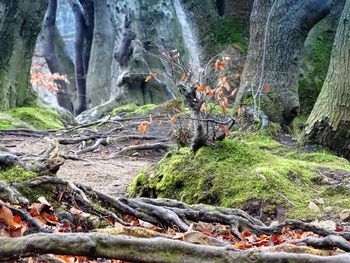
pixel 329 122
pixel 80 72
pixel 278 29
pixel 20 24
pixel 49 52
pixel 99 73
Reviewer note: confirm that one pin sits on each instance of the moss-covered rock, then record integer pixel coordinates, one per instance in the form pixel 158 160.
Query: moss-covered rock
pixel 8 122
pixel 254 169
pixel 33 117
pixel 133 109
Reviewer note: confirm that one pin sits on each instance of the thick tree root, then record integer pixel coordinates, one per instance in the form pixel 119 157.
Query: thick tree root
pixel 327 242
pixel 11 195
pixel 172 213
pixel 144 250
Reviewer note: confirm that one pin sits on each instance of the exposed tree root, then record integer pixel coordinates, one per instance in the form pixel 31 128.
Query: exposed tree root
pixel 101 141
pixel 11 195
pixel 159 247
pixel 143 147
pixel 35 226
pixel 144 250
pixel 327 242
pixel 172 213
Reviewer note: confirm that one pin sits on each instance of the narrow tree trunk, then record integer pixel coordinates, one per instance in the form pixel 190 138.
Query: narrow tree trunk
pixel 329 122
pixel 99 74
pixel 49 52
pixel 20 24
pixel 80 73
pixel 273 58
pixel 88 6
pixel 66 63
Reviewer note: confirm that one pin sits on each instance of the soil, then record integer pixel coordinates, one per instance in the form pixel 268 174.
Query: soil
pixel 101 169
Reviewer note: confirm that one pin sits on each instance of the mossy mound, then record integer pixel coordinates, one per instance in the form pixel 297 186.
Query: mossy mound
pixel 239 173
pixel 15 174
pixel 133 110
pixel 33 117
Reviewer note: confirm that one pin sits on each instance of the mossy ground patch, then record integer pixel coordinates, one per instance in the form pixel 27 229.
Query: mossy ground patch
pixel 238 171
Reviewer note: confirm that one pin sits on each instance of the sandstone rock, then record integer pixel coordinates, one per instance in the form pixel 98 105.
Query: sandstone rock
pixel 314 208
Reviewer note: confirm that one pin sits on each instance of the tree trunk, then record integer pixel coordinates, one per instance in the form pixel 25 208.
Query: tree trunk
pixel 329 122
pixel 80 73
pixel 99 74
pixel 88 6
pixel 49 52
pixel 20 24
pixel 278 29
pixel 66 63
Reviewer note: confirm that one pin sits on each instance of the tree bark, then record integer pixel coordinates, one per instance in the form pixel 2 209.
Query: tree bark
pixel 49 53
pixel 88 6
pixel 20 24
pixel 99 75
pixel 80 72
pixel 329 121
pixel 145 250
pixel 278 29
pixel 66 63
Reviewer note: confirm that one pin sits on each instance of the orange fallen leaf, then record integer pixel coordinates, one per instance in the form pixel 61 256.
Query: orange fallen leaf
pixel 266 88
pixel 219 65
pixel 143 127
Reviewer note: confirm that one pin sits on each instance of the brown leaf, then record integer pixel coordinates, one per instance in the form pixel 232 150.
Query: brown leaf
pixel 143 127
pixel 266 88
pixel 6 216
pixel 219 65
pixel 148 78
pixel 173 120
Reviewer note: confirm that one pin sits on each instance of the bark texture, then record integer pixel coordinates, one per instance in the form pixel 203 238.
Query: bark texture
pixel 80 71
pixel 145 250
pixel 329 121
pixel 49 52
pixel 99 73
pixel 20 24
pixel 278 30
pixel 66 63
pixel 88 7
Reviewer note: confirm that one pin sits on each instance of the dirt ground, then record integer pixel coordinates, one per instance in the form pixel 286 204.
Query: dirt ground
pixel 101 168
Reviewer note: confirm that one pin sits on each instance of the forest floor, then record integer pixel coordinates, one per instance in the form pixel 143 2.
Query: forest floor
pixel 102 168
pixel 107 155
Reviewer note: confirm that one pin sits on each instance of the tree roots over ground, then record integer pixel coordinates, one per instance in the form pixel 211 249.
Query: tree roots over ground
pixel 159 230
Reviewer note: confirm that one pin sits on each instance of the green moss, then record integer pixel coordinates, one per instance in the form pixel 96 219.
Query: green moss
pixel 38 118
pixel 133 109
pixel 315 64
pixel 230 30
pixel 6 125
pixel 241 170
pixel 16 174
pixel 124 109
pixel 297 125
pixel 33 193
pixel 145 109
pixel 173 106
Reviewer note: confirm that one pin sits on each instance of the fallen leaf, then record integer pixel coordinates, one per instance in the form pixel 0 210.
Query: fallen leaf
pixel 143 127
